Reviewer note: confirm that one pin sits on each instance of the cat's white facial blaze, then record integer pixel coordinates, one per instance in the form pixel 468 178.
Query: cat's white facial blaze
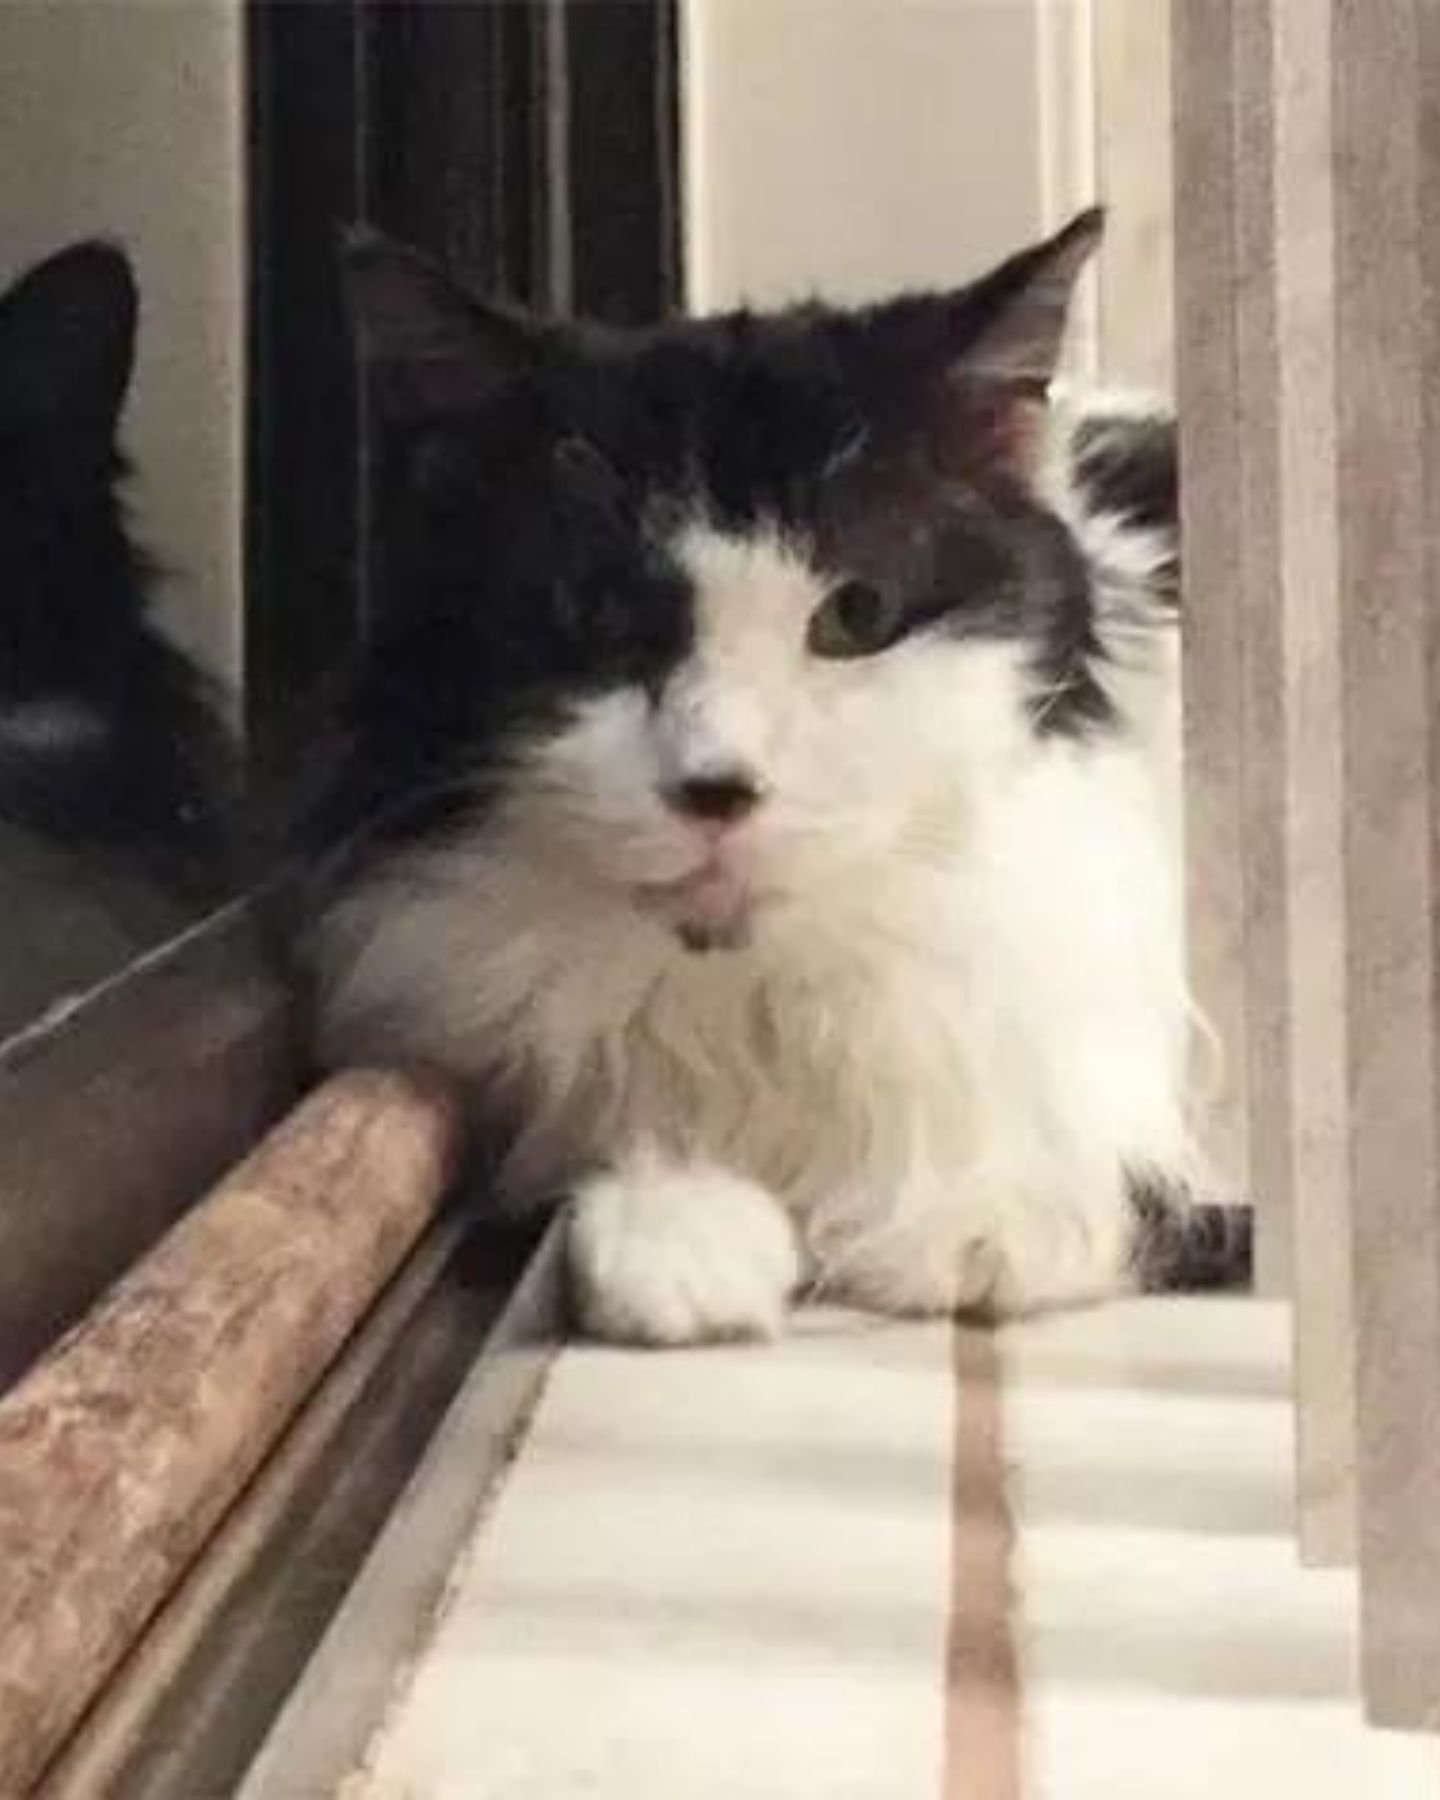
pixel 850 761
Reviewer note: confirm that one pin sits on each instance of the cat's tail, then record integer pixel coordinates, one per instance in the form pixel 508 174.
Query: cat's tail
pixel 1120 487
pixel 1125 463
pixel 1182 1243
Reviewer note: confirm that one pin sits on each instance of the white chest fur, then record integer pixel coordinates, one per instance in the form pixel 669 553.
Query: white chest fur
pixel 969 1047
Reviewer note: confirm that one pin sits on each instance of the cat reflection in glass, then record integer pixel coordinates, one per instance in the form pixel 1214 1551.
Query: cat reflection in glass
pixel 762 800
pixel 112 761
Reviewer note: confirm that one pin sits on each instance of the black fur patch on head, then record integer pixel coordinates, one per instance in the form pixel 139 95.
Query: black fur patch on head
pixel 106 737
pixel 547 463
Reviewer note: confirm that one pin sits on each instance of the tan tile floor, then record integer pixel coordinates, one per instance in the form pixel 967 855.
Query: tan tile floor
pixel 750 1573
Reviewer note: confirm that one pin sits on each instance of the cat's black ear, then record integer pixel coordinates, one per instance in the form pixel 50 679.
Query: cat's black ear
pixel 431 347
pixel 67 348
pixel 976 365
pixel 1011 324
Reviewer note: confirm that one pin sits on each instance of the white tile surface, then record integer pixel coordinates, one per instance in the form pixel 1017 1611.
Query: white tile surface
pixel 719 1573
pixel 725 1575
pixel 1172 1647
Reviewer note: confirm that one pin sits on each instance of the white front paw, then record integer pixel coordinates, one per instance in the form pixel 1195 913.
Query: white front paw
pixel 680 1254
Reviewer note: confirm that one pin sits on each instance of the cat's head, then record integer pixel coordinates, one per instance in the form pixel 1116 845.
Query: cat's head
pixel 717 614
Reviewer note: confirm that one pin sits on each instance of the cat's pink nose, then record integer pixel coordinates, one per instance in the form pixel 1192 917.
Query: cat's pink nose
pixel 722 798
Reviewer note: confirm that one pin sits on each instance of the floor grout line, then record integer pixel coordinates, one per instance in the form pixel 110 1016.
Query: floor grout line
pixel 983 1699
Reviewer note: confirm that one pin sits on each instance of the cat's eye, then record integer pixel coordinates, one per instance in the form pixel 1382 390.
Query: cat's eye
pixel 854 619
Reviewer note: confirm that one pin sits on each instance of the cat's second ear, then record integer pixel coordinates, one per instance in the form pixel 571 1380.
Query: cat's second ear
pixel 431 347
pixel 1010 326
pixel 978 363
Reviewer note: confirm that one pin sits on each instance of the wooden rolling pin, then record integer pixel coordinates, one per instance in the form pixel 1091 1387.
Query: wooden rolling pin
pixel 120 1451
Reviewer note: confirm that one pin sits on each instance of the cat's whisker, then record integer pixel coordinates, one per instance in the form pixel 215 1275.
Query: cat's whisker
pixel 1050 698
pixel 340 853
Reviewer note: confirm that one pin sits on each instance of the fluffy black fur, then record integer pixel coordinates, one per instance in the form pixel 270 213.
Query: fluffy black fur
pixel 1128 466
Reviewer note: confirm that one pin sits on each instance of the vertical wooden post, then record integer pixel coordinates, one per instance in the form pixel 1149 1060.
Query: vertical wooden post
pixel 1207 394
pixel 1264 696
pixel 1312 802
pixel 1387 243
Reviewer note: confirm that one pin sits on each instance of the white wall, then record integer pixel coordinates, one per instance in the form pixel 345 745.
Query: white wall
pixel 854 147
pixel 1132 86
pixel 124 118
pixel 858 146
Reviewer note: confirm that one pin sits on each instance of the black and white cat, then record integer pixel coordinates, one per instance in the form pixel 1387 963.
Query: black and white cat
pixel 762 797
